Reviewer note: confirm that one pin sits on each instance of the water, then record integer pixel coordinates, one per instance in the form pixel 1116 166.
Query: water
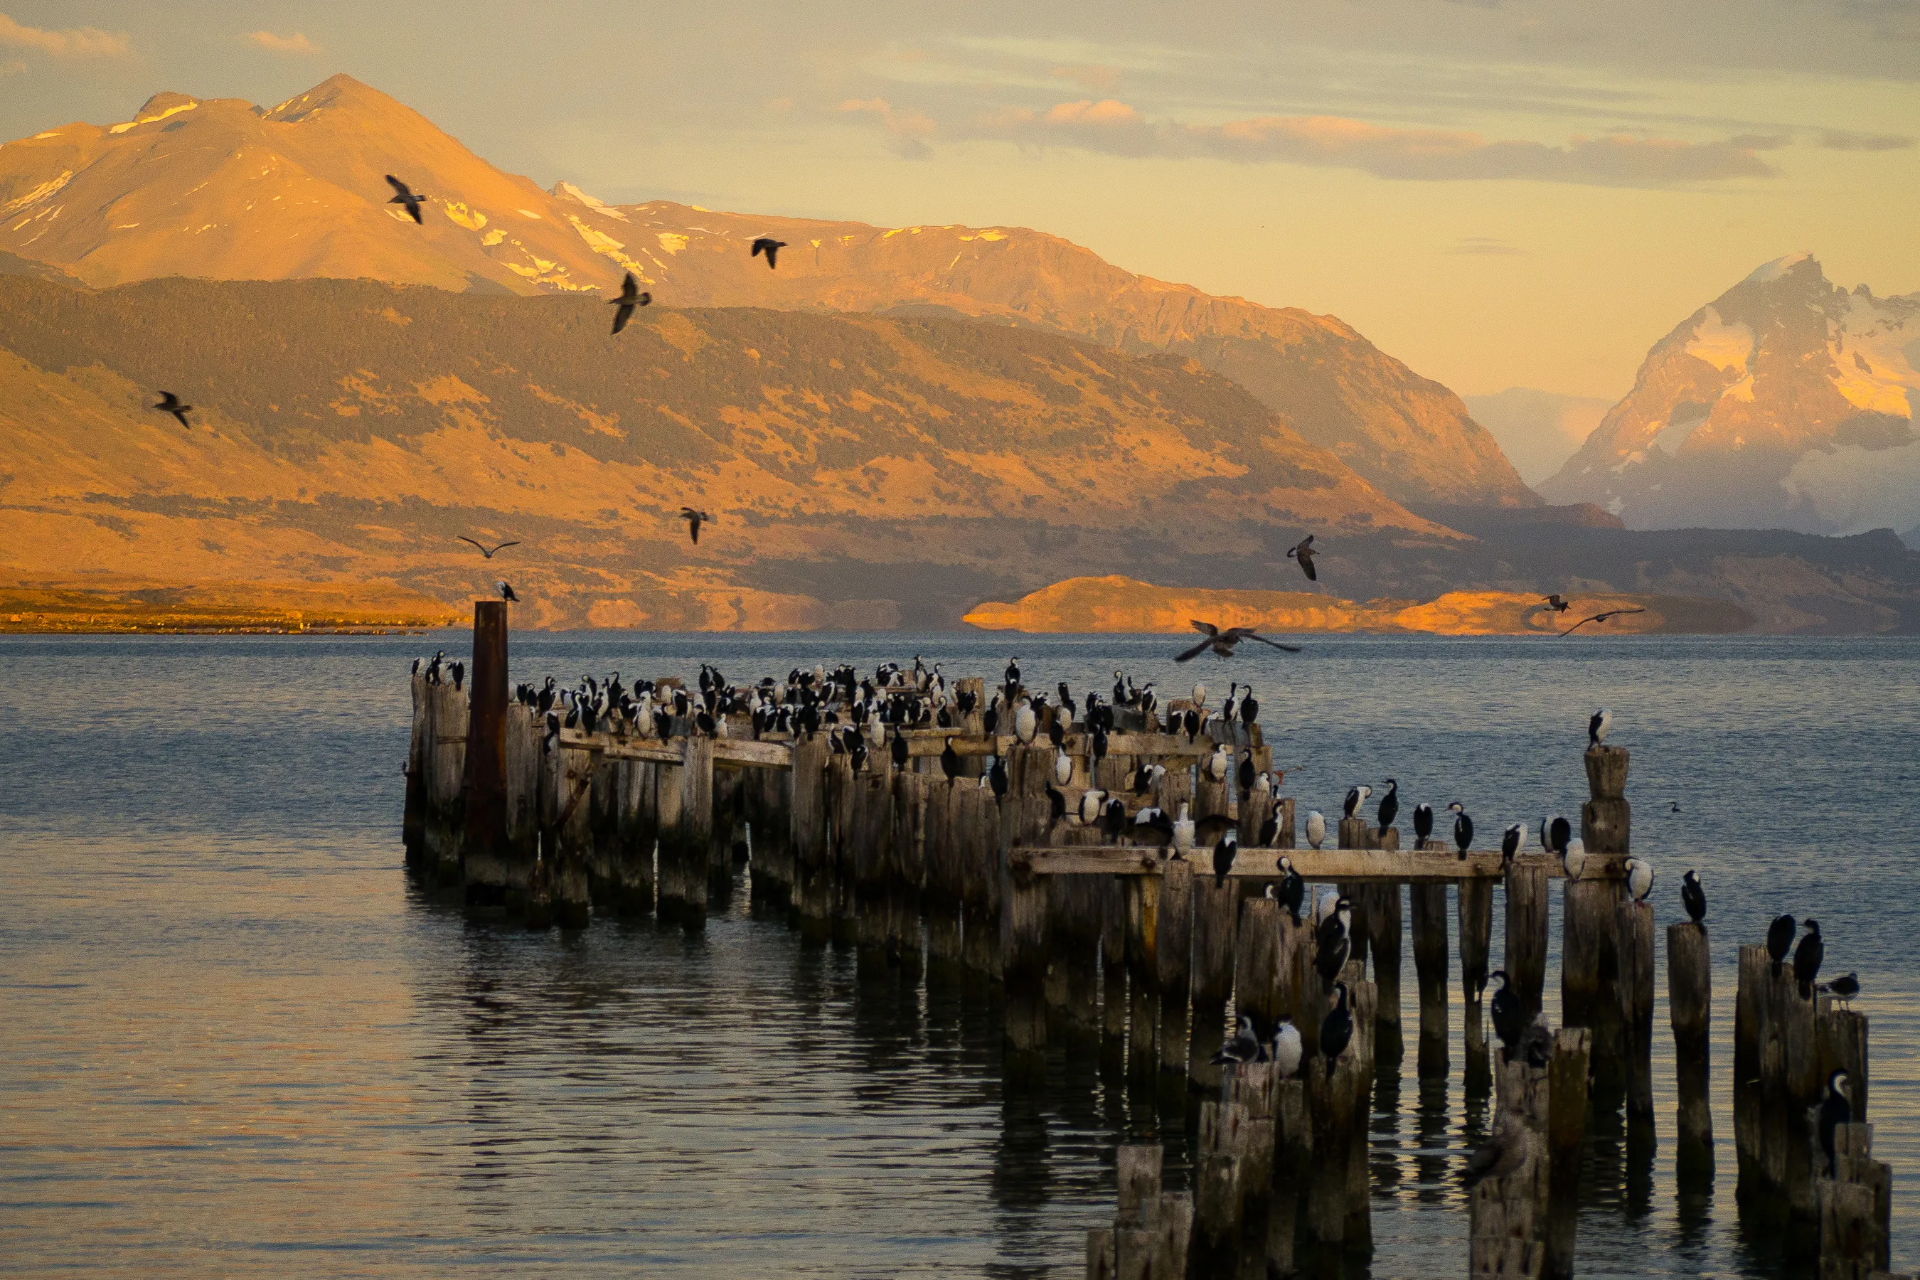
pixel 235 1042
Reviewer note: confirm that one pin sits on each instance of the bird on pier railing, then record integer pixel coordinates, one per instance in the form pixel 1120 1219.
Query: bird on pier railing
pixel 459 670
pixel 1091 802
pixel 1151 828
pixel 1293 889
pixel 1323 908
pixel 1182 833
pixel 1807 957
pixel 1249 707
pixel 1597 726
pixel 1224 642
pixel 1639 875
pixel 1097 746
pixel 1333 942
pixel 1389 806
pixel 1026 722
pixel 997 777
pixel 1190 721
pixel 1245 777
pixel 1316 828
pixel 1780 939
pixel 1422 823
pixel 1243 1047
pixel 1462 828
pixel 1512 842
pixel 1693 896
pixel 1013 674
pixel 902 753
pixel 1356 796
pixel 1270 827
pixel 1843 988
pixel 1113 819
pixel 1336 1029
pixel 1509 1015
pixel 1224 851
pixel 433 666
pixel 1063 768
pixel 1574 860
pixel 1836 1109
pixel 1286 1048
pixel 1555 833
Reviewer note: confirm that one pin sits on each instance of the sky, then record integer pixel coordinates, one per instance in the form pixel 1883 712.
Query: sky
pixel 1500 192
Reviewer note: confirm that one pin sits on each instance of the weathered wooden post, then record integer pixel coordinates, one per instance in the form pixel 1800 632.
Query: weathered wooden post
pixel 1750 1037
pixel 1566 1127
pixel 1023 935
pixel 413 820
pixel 1474 907
pixel 1219 1190
pixel 940 899
pixel 978 822
pixel 813 881
pixel 525 733
pixel 1173 953
pixel 446 796
pixel 484 848
pixel 909 867
pixel 1428 908
pixel 692 835
pixel 568 839
pixel 1143 973
pixel 872 860
pixel 1507 1211
pixel 1257 959
pixel 1526 963
pixel 1690 1010
pixel 1386 928
pixel 1216 910
pixel 1591 961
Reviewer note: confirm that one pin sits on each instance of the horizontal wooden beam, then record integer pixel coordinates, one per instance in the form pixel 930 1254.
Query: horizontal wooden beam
pixel 1313 864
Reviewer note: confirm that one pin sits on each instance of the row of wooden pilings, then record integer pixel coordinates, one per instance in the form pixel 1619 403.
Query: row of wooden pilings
pixel 1145 950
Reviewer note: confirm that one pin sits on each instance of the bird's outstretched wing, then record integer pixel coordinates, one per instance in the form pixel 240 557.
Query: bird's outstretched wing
pixel 1196 651
pixel 624 314
pixel 400 188
pixel 1598 617
pixel 1289 648
pixel 1206 628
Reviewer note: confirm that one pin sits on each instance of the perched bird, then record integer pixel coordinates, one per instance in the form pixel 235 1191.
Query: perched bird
pixel 1324 908
pixel 1223 642
pixel 1639 874
pixel 1843 988
pixel 631 296
pixel 402 194
pixel 1536 1043
pixel 1269 830
pixel 1693 896
pixel 1182 832
pixel 901 752
pixel 997 777
pixel 1462 828
pixel 1511 842
pixel 1555 832
pixel 485 550
pixel 1807 957
pixel 1223 855
pixel 1835 1110
pixel 1556 603
pixel 1304 553
pixel 1062 767
pixel 769 246
pixel 1293 889
pixel 1336 1029
pixel 1599 617
pixel 1780 939
pixel 1509 1015
pixel 1091 802
pixel 1501 1155
pixel 1113 820
pixel 1247 774
pixel 1244 1047
pixel 1422 822
pixel 1218 763
pixel 1356 796
pixel 1151 827
pixel 505 589
pixel 1575 858
pixel 1316 827
pixel 1597 726
pixel 1287 1047
pixel 1026 723
pixel 170 403
pixel 950 761
pixel 1389 805
pixel 1333 942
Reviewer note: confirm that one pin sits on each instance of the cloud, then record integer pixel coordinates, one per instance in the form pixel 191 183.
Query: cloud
pixel 13 67
pixel 1841 140
pixel 1485 245
pixel 295 43
pixel 74 42
pixel 1091 76
pixel 910 129
pixel 1429 155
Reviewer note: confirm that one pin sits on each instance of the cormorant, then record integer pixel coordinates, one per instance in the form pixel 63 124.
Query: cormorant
pixel 1287 1048
pixel 1356 796
pixel 1807 957
pixel 1422 822
pixel 950 761
pixel 1835 1110
pixel 1462 828
pixel 1333 942
pixel 1597 727
pixel 1509 1015
pixel 631 296
pixel 1510 843
pixel 1223 855
pixel 1639 874
pixel 1336 1029
pixel 1693 896
pixel 1389 805
pixel 1293 889
pixel 767 245
pixel 1316 827
pixel 1780 939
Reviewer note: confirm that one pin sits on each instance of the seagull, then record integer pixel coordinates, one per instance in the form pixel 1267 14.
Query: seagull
pixel 1835 1110
pixel 1597 726
pixel 1304 553
pixel 1501 1155
pixel 1807 957
pixel 1509 1015
pixel 631 296
pixel 1780 939
pixel 170 403
pixel 505 589
pixel 1336 1029
pixel 1843 988
pixel 484 550
pixel 694 520
pixel 1639 873
pixel 769 246
pixel 1556 603
pixel 1693 896
pixel 1316 827
pixel 1223 642
pixel 1599 617
pixel 1287 1048
pixel 1244 1047
pixel 404 195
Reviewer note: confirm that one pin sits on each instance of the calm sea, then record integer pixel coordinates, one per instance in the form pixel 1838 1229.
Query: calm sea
pixel 236 1043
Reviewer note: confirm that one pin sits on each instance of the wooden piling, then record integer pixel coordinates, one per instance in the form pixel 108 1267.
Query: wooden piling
pixel 1023 935
pixel 1508 1213
pixel 1474 906
pixel 1566 1128
pixel 1215 915
pixel 691 839
pixel 1690 1010
pixel 1634 934
pixel 1526 962
pixel 1173 956
pixel 1142 906
pixel 808 837
pixel 484 852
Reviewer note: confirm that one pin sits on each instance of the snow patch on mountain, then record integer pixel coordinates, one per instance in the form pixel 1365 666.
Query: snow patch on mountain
pixel 1768 272
pixel 1724 346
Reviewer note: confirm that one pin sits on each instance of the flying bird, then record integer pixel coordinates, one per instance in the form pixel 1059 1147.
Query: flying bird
pixel 484 550
pixel 769 246
pixel 631 296
pixel 1223 642
pixel 402 194
pixel 1304 554
pixel 505 589
pixel 694 520
pixel 1556 603
pixel 170 403
pixel 1599 617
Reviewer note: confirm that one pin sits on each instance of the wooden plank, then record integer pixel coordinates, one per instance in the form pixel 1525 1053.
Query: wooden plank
pixel 1324 864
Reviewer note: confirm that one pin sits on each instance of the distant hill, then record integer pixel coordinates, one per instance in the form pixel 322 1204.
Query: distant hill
pixel 1787 402
pixel 221 189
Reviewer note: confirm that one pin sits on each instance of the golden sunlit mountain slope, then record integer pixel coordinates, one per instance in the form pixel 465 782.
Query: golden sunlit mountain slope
pixel 225 190
pixel 863 470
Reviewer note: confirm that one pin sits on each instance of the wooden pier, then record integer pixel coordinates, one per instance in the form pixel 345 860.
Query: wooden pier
pixel 1145 949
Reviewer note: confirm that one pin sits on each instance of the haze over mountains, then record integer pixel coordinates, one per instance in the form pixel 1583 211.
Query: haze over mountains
pixel 894 426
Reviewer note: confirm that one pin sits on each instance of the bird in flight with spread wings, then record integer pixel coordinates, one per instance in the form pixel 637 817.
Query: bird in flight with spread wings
pixel 1223 642
pixel 485 550
pixel 1599 617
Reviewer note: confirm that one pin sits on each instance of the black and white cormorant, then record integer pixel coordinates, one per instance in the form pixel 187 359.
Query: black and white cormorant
pixel 1152 827
pixel 1113 819
pixel 1316 827
pixel 1509 1014
pixel 1293 888
pixel 1510 843
pixel 950 761
pixel 1269 830
pixel 1836 1109
pixel 901 751
pixel 997 777
pixel 1013 673
pixel 1422 823
pixel 1224 851
pixel 1356 796
pixel 1780 939
pixel 1597 726
pixel 1807 957
pixel 1243 1047
pixel 1693 896
pixel 1286 1048
pixel 1462 828
pixel 1389 805
pixel 1333 942
pixel 1555 832
pixel 1336 1029
pixel 1574 860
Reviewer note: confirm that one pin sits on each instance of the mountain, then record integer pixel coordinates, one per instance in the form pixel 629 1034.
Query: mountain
pixel 225 190
pixel 862 470
pixel 1785 403
pixel 1537 430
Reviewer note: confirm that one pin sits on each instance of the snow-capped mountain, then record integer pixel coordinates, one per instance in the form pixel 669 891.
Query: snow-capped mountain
pixel 1786 403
